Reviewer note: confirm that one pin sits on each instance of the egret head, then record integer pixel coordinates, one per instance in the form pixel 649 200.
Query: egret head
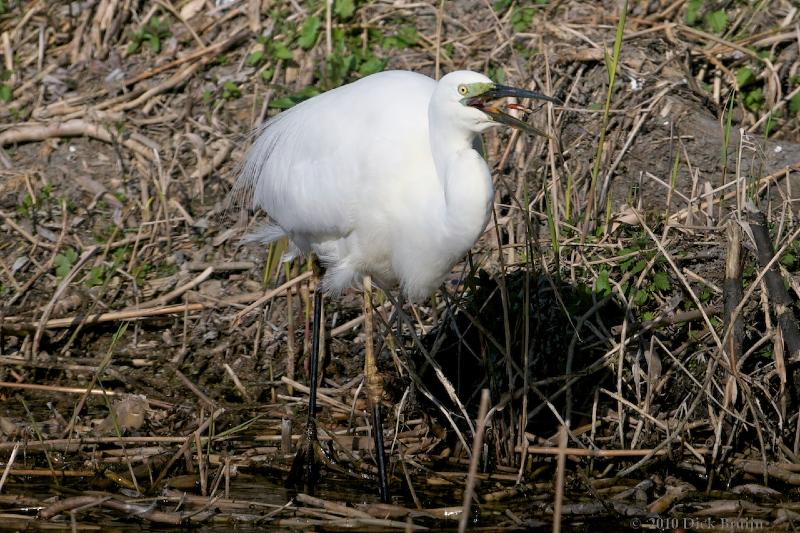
pixel 465 97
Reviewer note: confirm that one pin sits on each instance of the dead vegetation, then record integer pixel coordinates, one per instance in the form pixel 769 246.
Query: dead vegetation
pixel 632 307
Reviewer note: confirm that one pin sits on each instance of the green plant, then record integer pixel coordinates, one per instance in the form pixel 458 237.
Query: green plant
pixel 64 262
pixel 308 32
pixel 794 104
pixel 95 277
pixel 279 50
pixel 285 102
pixel 716 21
pixel 405 37
pixel 151 33
pixel 611 68
pixel 521 18
pixel 693 11
pixel 6 94
pixel 230 90
pixel 752 91
pixel 255 57
pixel 351 55
pixel 30 203
pixel 344 9
pixel 497 73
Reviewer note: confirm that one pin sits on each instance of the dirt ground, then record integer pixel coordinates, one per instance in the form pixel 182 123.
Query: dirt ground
pixel 631 308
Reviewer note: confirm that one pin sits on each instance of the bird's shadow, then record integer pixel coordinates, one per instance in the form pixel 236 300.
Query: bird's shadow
pixel 487 338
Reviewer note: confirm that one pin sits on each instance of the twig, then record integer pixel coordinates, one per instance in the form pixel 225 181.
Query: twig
pixel 9 464
pixel 559 481
pixel 76 390
pixel 477 444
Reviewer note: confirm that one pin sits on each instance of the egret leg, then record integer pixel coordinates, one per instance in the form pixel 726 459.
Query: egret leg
pixel 306 464
pixel 374 390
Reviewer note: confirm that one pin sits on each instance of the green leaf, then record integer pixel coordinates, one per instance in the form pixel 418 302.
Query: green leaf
pixel 280 50
pixel 641 297
pixel 255 58
pixel 5 93
pixel 521 18
pixel 306 93
pixel 64 262
pixel 794 104
pixel 230 90
pixel 705 295
pixel 336 70
pixel 744 77
pixel 609 61
pixel 308 33
pixel 661 282
pixel 754 99
pixel 693 12
pixel 95 277
pixel 498 74
pixel 639 266
pixel 788 260
pixel 283 102
pixel 371 66
pixel 408 34
pixel 602 285
pixel 404 38
pixel 716 21
pixel 344 9
pixel 154 43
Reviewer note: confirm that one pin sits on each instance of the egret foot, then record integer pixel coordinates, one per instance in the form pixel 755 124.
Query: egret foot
pixel 307 460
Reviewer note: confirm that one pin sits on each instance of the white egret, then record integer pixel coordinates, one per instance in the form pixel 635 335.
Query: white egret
pixel 381 178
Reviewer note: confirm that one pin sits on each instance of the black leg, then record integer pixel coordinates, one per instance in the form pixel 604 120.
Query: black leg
pixel 306 464
pixel 380 455
pixel 315 340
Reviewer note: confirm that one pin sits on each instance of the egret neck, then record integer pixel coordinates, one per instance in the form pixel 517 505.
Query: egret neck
pixel 465 177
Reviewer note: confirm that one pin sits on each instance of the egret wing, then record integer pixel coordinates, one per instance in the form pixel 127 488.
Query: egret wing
pixel 317 166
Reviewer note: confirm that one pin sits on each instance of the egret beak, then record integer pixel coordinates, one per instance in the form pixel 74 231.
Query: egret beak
pixel 502 91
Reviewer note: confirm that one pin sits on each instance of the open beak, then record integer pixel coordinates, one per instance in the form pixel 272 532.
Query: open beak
pixel 502 91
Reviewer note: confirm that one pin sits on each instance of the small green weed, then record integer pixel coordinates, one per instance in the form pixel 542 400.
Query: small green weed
pixel 6 94
pixel 152 33
pixel 714 21
pixel 230 90
pixel 30 204
pixel 64 262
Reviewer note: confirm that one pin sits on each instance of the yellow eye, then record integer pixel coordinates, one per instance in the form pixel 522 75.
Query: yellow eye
pixel 462 90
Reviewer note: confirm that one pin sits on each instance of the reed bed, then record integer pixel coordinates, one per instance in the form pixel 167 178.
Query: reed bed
pixel 631 310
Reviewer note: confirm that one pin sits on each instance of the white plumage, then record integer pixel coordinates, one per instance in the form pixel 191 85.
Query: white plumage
pixel 380 177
